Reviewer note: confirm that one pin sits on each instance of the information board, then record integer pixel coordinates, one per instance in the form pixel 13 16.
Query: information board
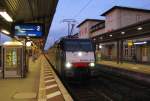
pixel 28 30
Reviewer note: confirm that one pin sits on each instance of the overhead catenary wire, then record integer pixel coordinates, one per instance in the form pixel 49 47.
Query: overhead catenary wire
pixel 82 9
pixel 71 22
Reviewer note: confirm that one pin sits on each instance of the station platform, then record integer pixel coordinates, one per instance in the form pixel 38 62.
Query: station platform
pixel 139 73
pixel 140 68
pixel 41 84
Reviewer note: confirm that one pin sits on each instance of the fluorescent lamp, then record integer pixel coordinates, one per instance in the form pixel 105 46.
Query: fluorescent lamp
pixel 139 28
pixel 5 31
pixel 140 43
pixel 6 16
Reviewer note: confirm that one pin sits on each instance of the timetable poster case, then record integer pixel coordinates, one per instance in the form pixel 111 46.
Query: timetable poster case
pixel 33 30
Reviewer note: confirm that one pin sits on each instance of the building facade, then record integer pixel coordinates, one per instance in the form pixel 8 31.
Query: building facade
pixel 118 17
pixel 85 27
pixel 122 35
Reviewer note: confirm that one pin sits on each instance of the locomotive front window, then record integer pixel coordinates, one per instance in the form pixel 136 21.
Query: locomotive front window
pixel 78 46
pixel 86 46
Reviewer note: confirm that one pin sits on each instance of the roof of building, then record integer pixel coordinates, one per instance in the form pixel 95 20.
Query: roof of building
pixel 96 20
pixel 98 26
pixel 127 8
pixel 130 32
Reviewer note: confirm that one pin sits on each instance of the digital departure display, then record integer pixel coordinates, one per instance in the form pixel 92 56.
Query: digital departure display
pixel 30 30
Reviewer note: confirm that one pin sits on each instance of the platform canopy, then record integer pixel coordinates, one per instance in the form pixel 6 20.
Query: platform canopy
pixel 28 11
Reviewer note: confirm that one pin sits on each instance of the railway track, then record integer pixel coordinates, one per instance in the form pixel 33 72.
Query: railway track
pixel 121 91
pixel 109 88
pixel 86 92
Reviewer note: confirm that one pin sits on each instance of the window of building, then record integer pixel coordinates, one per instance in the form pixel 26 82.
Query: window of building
pixel 85 30
pixel 138 18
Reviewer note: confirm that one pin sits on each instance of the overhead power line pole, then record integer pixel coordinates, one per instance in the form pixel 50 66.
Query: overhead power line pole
pixel 71 23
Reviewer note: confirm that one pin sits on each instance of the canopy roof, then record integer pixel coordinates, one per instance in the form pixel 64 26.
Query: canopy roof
pixel 28 11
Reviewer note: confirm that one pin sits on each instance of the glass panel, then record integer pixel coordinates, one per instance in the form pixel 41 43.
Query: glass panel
pixel 12 60
pixel 78 46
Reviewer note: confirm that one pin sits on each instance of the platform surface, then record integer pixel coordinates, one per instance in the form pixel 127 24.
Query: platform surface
pixel 22 89
pixel 30 87
pixel 141 68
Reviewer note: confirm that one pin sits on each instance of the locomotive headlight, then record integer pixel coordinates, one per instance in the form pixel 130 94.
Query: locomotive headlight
pixel 79 53
pixel 92 64
pixel 68 65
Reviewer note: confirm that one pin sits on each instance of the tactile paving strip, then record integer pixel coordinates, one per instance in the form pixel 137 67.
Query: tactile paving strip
pixel 52 91
pixel 49 90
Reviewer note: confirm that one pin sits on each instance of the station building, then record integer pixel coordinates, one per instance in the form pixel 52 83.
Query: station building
pixel 85 27
pixel 124 35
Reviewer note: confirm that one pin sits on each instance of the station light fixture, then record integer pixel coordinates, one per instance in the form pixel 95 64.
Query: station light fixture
pixel 6 16
pixel 100 46
pixel 139 28
pixel 28 38
pixel 110 35
pixel 12 43
pixel 140 43
pixel 28 44
pixel 5 31
pixel 122 33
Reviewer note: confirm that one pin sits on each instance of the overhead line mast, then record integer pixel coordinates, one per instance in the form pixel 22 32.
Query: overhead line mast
pixel 71 23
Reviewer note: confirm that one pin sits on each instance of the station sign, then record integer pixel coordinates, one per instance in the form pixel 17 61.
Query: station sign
pixel 28 30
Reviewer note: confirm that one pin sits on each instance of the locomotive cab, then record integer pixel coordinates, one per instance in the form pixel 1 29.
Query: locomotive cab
pixel 77 58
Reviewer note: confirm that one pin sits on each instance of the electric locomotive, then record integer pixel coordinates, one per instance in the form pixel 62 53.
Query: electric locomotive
pixel 75 58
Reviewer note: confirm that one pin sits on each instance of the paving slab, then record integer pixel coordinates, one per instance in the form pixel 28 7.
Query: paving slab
pixel 22 89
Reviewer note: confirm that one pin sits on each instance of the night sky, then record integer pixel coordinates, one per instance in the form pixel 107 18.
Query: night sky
pixel 83 9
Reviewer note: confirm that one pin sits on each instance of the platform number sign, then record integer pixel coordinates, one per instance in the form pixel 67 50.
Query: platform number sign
pixel 28 30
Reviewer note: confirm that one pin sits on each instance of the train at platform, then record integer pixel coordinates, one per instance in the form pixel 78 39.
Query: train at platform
pixel 74 58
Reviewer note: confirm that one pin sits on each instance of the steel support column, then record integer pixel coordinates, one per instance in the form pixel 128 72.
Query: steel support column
pixel 121 51
pixel 118 51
